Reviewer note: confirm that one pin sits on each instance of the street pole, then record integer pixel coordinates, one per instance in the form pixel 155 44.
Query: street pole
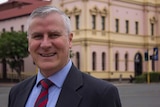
pixel 148 65
pixel 147 59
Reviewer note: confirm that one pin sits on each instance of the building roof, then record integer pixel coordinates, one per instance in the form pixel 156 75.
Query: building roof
pixel 17 8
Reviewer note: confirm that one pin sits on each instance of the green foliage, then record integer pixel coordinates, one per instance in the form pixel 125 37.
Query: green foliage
pixel 140 79
pixel 13 48
pixel 153 77
pixel 13 45
pixel 71 54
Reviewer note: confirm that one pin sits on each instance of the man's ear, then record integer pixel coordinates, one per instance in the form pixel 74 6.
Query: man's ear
pixel 28 43
pixel 28 49
pixel 70 40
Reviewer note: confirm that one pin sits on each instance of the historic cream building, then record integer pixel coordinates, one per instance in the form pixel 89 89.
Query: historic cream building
pixel 110 36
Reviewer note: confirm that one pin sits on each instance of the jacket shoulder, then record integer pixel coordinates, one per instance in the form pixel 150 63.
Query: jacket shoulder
pixel 21 85
pixel 95 82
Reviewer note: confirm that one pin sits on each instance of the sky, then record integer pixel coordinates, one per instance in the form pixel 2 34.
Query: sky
pixel 3 1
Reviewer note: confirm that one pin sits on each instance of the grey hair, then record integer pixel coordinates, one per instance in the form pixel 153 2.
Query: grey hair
pixel 46 10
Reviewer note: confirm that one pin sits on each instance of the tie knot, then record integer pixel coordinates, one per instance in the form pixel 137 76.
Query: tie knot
pixel 46 83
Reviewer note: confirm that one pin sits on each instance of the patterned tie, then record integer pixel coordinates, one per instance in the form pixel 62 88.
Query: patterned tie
pixel 43 96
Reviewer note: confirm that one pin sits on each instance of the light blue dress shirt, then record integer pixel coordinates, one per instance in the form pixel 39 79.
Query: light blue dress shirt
pixel 54 91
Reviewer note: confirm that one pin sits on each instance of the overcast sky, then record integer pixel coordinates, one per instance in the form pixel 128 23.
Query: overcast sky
pixel 3 1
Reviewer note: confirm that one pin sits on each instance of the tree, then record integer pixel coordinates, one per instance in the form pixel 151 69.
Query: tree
pixel 71 54
pixel 13 48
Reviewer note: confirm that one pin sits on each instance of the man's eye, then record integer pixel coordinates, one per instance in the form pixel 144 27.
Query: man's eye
pixel 54 35
pixel 37 36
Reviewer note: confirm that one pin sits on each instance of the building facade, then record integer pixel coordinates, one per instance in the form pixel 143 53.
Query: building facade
pixel 110 39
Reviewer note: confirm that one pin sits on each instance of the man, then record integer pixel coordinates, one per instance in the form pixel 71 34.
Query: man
pixel 50 41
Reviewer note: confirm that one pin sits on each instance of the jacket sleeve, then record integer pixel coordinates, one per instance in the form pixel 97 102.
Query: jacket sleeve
pixel 11 98
pixel 110 97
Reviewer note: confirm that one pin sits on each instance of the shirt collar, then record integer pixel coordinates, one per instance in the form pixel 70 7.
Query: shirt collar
pixel 59 77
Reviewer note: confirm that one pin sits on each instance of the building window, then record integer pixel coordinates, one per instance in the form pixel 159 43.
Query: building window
pixel 126 62
pixel 116 62
pixel 136 27
pixel 103 61
pixel 22 28
pixel 78 60
pixel 3 30
pixel 127 26
pixel 77 21
pixel 117 25
pixel 152 29
pixel 12 29
pixel 93 21
pixel 94 61
pixel 103 22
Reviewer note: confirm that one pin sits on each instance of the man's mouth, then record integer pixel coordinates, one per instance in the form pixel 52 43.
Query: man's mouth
pixel 47 55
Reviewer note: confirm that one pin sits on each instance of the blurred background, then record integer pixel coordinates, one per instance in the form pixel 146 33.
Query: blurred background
pixel 113 39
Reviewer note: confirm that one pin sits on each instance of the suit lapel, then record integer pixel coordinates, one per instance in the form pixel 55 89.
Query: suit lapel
pixel 25 92
pixel 69 97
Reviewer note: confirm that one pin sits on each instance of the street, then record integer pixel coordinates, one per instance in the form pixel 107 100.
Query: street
pixel 4 95
pixel 132 95
pixel 140 95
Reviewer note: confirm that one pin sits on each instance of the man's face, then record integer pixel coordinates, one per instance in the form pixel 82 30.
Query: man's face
pixel 49 43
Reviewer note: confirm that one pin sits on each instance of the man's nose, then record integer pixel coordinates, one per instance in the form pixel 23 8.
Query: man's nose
pixel 46 42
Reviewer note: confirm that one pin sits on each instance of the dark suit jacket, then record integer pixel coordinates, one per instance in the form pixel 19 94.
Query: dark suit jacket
pixel 79 90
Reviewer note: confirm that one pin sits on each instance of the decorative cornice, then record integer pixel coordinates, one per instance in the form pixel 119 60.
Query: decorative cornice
pixel 153 20
pixel 67 12
pixel 94 10
pixel 76 10
pixel 104 12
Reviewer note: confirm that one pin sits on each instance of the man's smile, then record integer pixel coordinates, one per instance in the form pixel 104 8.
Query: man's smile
pixel 48 55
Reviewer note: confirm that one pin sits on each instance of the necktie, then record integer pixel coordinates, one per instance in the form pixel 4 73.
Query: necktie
pixel 43 96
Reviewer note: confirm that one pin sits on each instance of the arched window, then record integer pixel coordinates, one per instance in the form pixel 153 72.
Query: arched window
pixel 117 25
pixel 116 61
pixel 103 18
pixel 126 62
pixel 78 60
pixel 136 27
pixel 138 64
pixel 77 21
pixel 103 61
pixel 94 61
pixel 127 26
pixel 152 29
pixel 93 21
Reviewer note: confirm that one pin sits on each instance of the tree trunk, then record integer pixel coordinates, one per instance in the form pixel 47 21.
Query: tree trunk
pixel 4 68
pixel 19 76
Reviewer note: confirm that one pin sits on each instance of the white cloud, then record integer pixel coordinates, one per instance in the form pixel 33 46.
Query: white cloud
pixel 3 1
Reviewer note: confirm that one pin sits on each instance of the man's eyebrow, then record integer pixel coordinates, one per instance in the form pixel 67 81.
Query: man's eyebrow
pixel 52 31
pixel 36 33
pixel 55 31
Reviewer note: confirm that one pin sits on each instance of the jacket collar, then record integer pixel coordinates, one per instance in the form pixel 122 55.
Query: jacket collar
pixel 25 91
pixel 69 97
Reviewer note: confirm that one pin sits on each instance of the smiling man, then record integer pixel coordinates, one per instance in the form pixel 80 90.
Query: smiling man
pixel 58 82
pixel 49 43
